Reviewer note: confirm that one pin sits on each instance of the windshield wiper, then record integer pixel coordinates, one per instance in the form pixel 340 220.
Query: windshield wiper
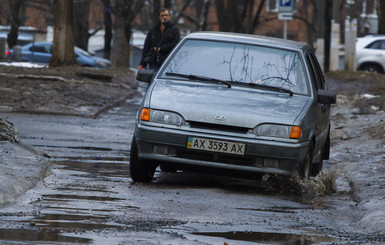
pixel 200 78
pixel 272 88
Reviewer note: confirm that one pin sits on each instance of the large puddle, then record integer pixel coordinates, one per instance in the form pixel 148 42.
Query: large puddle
pixel 85 199
pixel 269 238
pixel 39 236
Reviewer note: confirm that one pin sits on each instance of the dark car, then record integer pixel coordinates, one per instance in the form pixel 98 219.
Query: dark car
pixel 233 104
pixel 41 52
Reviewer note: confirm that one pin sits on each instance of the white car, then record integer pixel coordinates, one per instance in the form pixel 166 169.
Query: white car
pixel 370 53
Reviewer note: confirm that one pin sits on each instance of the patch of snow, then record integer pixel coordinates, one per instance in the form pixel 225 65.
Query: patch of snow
pixel 24 64
pixel 374 108
pixel 369 96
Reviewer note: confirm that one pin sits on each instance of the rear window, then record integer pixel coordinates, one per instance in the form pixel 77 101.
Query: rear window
pixel 240 63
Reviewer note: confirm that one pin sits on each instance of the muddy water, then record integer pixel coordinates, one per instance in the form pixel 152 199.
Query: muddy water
pixel 89 197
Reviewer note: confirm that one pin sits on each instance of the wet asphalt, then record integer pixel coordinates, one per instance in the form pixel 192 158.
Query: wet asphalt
pixel 89 197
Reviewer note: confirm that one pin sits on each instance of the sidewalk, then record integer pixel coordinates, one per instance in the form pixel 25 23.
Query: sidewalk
pixel 21 167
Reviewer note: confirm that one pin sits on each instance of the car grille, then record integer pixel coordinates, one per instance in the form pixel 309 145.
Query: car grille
pixel 218 127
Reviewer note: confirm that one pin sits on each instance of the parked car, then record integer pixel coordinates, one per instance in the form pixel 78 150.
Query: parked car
pixel 41 52
pixel 233 104
pixel 370 53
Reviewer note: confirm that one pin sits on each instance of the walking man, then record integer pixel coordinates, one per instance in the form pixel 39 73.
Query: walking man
pixel 160 40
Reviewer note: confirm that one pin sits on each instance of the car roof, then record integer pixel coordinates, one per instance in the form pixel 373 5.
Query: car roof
pixel 249 39
pixel 39 43
pixel 366 40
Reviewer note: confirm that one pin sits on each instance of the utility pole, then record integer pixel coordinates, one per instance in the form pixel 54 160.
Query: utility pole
pixel 335 36
pixel 350 38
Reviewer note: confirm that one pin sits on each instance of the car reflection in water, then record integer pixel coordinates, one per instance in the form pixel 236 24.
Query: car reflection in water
pixel 233 104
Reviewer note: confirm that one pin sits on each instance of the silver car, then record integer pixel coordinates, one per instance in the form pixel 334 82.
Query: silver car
pixel 233 104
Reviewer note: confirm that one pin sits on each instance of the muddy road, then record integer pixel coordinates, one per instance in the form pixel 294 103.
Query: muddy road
pixel 89 197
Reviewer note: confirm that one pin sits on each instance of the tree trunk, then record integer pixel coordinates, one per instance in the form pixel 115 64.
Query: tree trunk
pixel 81 25
pixel 155 11
pixel 257 16
pixel 14 19
pixel 63 37
pixel 327 33
pixel 107 28
pixel 202 13
pixel 120 55
pixel 381 21
pixel 224 14
pixel 125 13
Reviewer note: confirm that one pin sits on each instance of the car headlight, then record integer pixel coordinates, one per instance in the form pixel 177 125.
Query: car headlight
pixel 164 117
pixel 278 131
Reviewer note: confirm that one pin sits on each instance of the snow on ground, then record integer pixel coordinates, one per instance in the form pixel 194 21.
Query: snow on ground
pixel 24 64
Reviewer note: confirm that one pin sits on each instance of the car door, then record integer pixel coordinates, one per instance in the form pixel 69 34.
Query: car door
pixel 40 53
pixel 321 111
pixel 376 50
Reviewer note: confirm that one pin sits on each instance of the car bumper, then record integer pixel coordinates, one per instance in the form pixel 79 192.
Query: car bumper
pixel 261 156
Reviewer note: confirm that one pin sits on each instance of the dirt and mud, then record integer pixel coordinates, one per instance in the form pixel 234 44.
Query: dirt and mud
pixel 356 167
pixel 67 91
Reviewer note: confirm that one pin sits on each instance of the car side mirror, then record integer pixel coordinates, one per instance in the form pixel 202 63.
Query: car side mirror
pixel 326 97
pixel 145 75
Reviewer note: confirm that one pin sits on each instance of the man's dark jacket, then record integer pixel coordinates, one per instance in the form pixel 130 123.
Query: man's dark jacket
pixel 153 39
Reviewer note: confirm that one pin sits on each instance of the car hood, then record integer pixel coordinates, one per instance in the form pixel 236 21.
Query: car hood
pixel 218 104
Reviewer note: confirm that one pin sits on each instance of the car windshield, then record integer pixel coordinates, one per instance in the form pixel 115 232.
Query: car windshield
pixel 239 64
pixel 82 52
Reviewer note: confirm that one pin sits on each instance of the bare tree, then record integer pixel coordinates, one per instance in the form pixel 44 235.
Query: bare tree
pixel 240 16
pixel 63 37
pixel 381 15
pixel 201 13
pixel 14 7
pixel 44 7
pixel 156 6
pixel 125 13
pixel 107 28
pixel 309 15
pixel 81 25
pixel 225 15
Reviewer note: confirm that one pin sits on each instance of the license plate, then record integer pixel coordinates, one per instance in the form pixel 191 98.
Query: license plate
pixel 215 145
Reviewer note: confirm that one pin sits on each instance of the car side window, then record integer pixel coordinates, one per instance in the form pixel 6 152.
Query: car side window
pixel 323 84
pixel 47 48
pixel 311 70
pixel 40 49
pixel 379 44
pixel 316 70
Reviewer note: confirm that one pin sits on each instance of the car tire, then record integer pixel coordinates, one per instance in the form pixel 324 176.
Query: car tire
pixel 316 168
pixel 140 170
pixel 371 68
pixel 305 170
pixel 167 168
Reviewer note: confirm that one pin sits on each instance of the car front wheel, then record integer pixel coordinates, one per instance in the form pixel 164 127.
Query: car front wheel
pixel 372 68
pixel 305 169
pixel 140 170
